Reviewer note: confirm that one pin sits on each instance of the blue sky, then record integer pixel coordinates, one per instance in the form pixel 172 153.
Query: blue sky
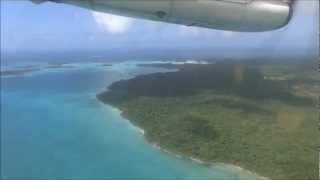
pixel 50 26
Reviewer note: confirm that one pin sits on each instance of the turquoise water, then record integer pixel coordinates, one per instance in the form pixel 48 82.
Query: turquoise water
pixel 54 127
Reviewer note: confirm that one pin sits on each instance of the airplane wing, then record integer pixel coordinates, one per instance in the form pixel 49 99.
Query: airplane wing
pixel 233 15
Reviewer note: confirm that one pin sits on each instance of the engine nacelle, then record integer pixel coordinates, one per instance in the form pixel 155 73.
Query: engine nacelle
pixel 233 15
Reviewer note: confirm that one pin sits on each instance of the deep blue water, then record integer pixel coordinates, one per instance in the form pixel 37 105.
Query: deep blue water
pixel 52 126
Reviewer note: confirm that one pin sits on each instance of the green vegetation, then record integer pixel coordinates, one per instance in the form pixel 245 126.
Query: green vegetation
pixel 261 117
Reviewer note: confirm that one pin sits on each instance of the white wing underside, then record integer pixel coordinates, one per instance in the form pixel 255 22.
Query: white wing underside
pixel 233 15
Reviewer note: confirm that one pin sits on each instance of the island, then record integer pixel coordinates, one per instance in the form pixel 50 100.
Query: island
pixel 58 65
pixel 106 65
pixel 21 71
pixel 261 117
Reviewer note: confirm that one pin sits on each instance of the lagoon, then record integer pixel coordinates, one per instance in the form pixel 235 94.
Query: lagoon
pixel 52 126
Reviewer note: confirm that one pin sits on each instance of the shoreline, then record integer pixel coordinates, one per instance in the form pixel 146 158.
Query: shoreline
pixel 219 165
pixel 235 169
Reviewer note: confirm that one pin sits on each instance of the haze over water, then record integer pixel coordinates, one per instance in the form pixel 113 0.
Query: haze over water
pixel 52 126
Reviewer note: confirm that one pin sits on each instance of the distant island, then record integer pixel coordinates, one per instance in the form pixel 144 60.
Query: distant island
pixel 33 68
pixel 261 117
pixel 57 65
pixel 106 65
pixel 18 71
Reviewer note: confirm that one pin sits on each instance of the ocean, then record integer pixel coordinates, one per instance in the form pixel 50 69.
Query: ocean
pixel 52 126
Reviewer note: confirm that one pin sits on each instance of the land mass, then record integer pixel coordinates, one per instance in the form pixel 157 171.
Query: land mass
pixel 30 69
pixel 18 71
pixel 261 117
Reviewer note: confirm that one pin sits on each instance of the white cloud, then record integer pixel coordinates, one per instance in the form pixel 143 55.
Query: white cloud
pixel 112 23
pixel 187 31
pixel 229 34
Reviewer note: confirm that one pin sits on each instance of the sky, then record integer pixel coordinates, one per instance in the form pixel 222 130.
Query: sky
pixel 58 27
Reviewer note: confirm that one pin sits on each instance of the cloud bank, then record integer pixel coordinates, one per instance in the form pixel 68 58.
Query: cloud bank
pixel 112 23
